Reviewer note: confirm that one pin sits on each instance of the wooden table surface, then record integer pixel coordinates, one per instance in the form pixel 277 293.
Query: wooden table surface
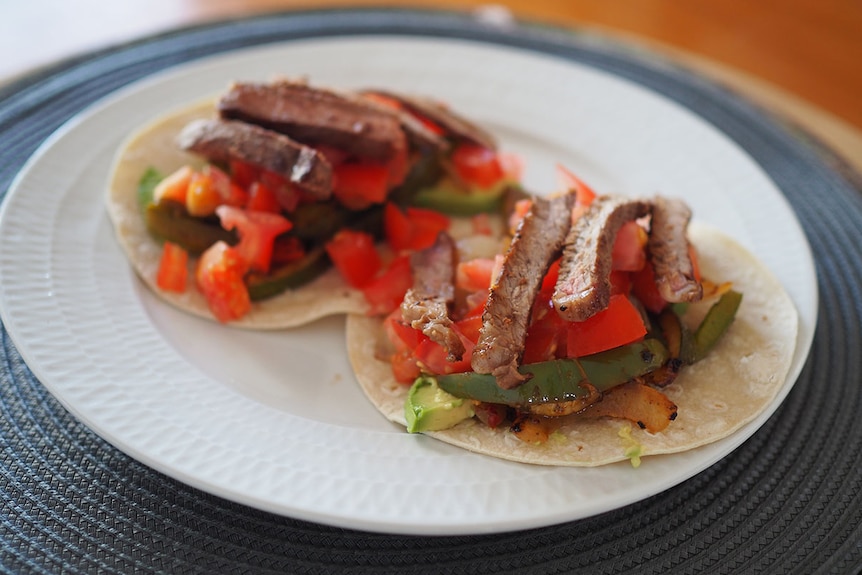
pixel 801 58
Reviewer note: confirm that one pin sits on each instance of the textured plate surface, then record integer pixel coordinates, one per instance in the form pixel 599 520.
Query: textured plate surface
pixel 275 420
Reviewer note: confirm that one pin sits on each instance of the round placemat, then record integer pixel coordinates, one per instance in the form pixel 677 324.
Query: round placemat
pixel 787 500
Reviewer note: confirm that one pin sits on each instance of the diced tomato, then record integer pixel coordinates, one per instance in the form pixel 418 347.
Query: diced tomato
pixel 400 334
pixel 412 229
pixel 477 166
pixel 286 193
pixel 355 256
pixel 173 271
pixel 628 253
pixel 621 282
pixel 175 186
pixel 405 368
pixel 644 288
pixel 202 198
pixel 482 224
pixel 470 326
pixel 432 356
pixel 584 194
pixel 551 276
pixel 286 249
pixel 474 275
pixel 399 165
pixel 385 292
pixel 231 193
pixel 262 199
pixel 620 324
pixel 257 232
pixel 546 335
pixel 219 277
pixel 243 173
pixel 358 185
pixel 520 210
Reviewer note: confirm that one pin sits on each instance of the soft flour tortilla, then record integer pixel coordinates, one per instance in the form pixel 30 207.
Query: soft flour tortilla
pixel 715 397
pixel 155 146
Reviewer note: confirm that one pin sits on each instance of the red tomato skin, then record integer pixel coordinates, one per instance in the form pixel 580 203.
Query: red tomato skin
pixel 644 288
pixel 412 229
pixel 173 268
pixel 257 232
pixel 432 357
pixel 401 335
pixel 175 186
pixel 243 173
pixel 261 198
pixel 584 194
pixel 629 254
pixel 474 275
pixel 385 292
pixel 477 166
pixel 404 367
pixel 219 277
pixel 355 256
pixel 358 185
pixel 620 324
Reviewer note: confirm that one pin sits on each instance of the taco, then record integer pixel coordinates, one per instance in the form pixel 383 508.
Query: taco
pixel 229 208
pixel 624 334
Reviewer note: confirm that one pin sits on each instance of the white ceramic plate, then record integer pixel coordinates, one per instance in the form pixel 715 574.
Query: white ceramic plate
pixel 275 420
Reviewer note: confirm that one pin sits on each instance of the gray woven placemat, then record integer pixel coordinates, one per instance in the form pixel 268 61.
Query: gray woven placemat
pixel 788 500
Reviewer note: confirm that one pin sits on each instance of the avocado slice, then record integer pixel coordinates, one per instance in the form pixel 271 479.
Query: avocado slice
pixel 429 408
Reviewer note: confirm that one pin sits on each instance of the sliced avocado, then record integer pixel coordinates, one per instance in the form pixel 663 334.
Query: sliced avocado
pixel 429 408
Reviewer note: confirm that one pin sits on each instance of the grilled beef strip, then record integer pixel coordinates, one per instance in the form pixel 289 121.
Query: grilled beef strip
pixel 668 249
pixel 537 242
pixel 221 141
pixel 317 117
pixel 583 287
pixel 426 304
pixel 440 114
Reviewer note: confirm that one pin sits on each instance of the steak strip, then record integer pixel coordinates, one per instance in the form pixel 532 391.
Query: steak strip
pixel 317 117
pixel 440 114
pixel 426 304
pixel 668 248
pixel 584 287
pixel 221 141
pixel 537 242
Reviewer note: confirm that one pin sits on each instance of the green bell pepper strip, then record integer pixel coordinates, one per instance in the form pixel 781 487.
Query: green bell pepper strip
pixel 560 380
pixel 169 221
pixel 716 322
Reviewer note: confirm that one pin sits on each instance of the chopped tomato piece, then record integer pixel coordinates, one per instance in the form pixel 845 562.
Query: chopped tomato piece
pixel 219 276
pixel 628 253
pixel 174 187
pixel 474 275
pixel 584 194
pixel 477 166
pixel 385 292
pixel 287 194
pixel 470 326
pixel 621 282
pixel 399 166
pixel 518 213
pixel 230 192
pixel 412 229
pixel 644 288
pixel 400 334
pixel 405 368
pixel 257 232
pixel 355 256
pixel 286 249
pixel 432 356
pixel 620 324
pixel 243 173
pixel 261 198
pixel 173 268
pixel 358 185
pixel 202 198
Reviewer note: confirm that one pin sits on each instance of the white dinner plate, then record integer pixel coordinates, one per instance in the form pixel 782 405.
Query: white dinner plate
pixel 276 420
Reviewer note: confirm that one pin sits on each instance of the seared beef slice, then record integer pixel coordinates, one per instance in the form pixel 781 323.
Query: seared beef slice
pixel 537 242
